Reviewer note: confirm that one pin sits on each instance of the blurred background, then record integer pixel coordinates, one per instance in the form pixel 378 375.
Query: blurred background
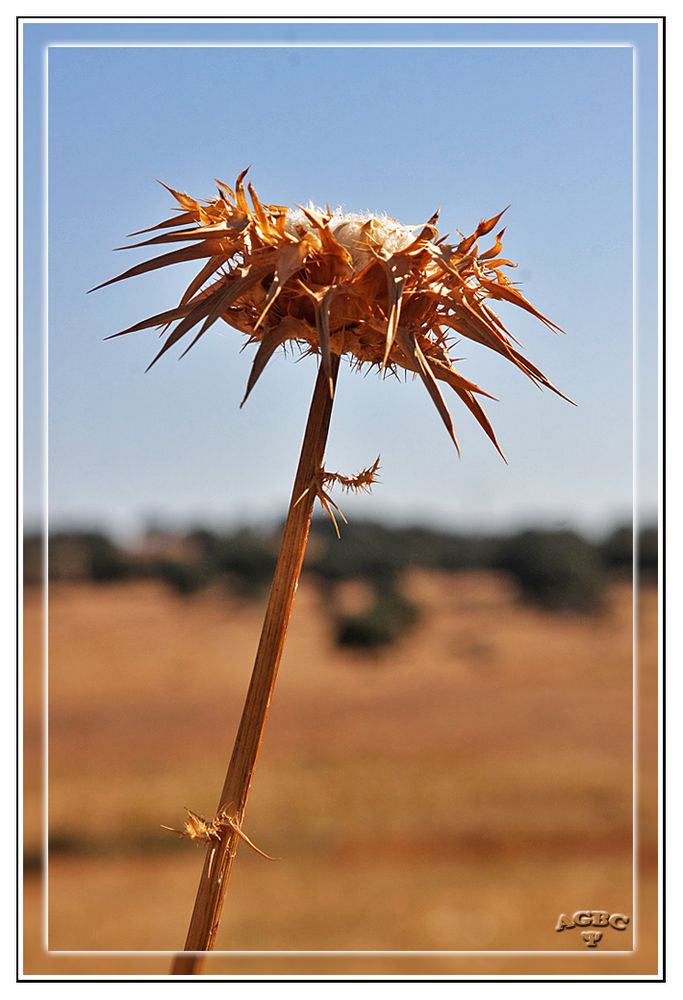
pixel 448 762
pixel 448 758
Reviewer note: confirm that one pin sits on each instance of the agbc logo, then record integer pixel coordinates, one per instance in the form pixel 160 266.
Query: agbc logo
pixel 592 918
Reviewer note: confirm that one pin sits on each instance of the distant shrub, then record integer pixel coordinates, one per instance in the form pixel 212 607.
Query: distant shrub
pixel 648 557
pixel 557 570
pixel 106 560
pixel 244 560
pixel 248 559
pixel 366 552
pixel 380 625
pixel 184 578
pixel 441 550
pixel 33 558
pixel 617 549
pixel 87 555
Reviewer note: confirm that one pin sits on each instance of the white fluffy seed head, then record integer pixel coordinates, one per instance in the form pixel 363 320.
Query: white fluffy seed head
pixel 347 229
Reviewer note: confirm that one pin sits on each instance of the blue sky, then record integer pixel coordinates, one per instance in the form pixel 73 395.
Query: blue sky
pixel 401 130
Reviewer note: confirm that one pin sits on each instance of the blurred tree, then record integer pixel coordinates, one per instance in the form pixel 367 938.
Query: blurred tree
pixel 648 557
pixel 86 555
pixel 617 549
pixel 382 624
pixel 558 570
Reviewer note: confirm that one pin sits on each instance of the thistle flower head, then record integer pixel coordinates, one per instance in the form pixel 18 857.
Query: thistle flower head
pixel 362 285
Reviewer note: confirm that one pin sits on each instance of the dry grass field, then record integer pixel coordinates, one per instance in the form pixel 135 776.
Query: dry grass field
pixel 454 794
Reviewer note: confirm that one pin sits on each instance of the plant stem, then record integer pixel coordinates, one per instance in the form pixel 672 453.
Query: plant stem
pixel 221 853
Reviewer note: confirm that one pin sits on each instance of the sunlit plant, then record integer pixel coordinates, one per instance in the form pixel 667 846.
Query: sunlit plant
pixel 329 284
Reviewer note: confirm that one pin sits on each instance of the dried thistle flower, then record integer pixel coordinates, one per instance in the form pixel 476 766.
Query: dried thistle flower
pixel 333 284
pixel 366 286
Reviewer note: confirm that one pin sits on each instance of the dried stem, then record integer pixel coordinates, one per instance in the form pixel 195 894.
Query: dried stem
pixel 220 853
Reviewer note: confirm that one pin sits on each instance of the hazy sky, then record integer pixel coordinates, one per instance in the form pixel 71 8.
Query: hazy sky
pixel 400 130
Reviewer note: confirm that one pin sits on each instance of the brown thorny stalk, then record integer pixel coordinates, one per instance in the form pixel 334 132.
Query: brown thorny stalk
pixel 387 295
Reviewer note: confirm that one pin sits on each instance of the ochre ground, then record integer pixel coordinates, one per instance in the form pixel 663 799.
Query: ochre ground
pixel 456 793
